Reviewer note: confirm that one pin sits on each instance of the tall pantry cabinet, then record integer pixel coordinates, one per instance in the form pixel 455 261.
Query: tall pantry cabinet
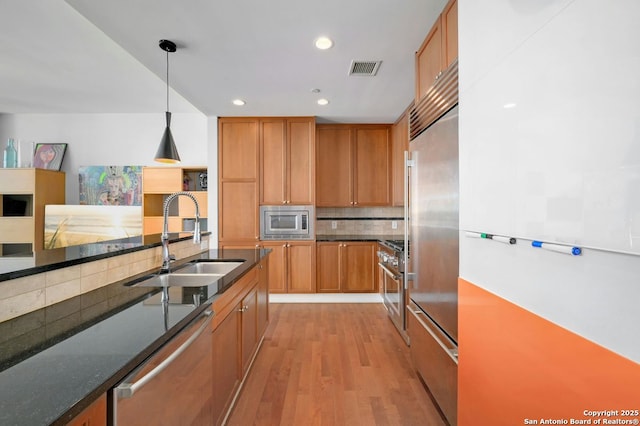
pixel 267 161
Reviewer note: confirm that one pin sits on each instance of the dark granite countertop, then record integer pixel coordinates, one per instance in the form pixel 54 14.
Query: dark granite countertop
pixel 56 361
pixel 23 264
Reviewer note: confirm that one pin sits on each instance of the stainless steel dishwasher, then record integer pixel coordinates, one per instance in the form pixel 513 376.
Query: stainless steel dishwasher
pixel 174 385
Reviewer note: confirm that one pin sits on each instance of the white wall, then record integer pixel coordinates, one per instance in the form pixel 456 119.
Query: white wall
pixel 562 165
pixel 111 139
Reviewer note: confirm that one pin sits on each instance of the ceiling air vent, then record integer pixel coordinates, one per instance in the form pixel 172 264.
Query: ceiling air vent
pixel 369 68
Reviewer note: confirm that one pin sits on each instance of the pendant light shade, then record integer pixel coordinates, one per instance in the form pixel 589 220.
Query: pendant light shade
pixel 167 151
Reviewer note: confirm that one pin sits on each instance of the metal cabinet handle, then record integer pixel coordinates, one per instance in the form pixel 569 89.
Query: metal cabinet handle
pixel 245 308
pixel 127 390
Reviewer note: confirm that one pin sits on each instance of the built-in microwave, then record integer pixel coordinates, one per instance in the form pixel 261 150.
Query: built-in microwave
pixel 286 222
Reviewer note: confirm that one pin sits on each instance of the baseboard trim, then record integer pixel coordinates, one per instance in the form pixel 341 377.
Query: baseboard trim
pixel 325 298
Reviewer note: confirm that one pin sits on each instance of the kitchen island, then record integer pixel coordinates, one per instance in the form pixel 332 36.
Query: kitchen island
pixel 58 360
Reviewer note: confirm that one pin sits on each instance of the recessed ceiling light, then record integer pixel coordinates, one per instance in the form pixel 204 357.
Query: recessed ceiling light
pixel 238 102
pixel 509 105
pixel 323 101
pixel 324 43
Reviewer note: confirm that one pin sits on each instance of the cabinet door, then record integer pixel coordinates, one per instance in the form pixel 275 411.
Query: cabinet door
pixel 400 144
pixel 449 22
pixel 238 205
pixel 273 152
pixel 277 266
pixel 333 167
pixel 249 325
pixel 328 267
pixel 301 270
pixel 93 415
pixel 372 178
pixel 358 260
pixel 263 296
pixel 429 60
pixel 226 371
pixel 300 161
pixel 238 148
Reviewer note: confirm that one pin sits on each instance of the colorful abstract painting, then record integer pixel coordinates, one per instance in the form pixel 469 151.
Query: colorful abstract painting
pixel 110 185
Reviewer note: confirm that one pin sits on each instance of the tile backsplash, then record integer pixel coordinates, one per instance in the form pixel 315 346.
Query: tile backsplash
pixel 360 221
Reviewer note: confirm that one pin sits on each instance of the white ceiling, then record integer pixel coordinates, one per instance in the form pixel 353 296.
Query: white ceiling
pixel 87 56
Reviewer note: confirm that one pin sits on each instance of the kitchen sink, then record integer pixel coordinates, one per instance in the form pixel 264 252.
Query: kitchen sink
pixel 207 267
pixel 193 274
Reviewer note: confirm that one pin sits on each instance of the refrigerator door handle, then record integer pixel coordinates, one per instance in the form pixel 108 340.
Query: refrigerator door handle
pixel 408 162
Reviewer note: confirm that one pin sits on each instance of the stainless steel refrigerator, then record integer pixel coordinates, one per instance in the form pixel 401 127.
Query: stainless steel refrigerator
pixel 432 228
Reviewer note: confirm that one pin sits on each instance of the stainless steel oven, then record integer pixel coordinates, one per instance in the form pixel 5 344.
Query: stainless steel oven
pixel 287 222
pixel 391 276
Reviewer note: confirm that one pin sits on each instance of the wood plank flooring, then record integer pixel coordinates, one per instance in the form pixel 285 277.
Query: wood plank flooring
pixel 333 364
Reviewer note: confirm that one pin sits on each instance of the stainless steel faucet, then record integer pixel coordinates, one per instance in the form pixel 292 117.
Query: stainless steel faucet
pixel 166 257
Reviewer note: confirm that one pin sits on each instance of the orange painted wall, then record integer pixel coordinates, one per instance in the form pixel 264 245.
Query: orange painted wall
pixel 515 365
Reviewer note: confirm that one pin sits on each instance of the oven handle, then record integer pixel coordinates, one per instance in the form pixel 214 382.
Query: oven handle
pixel 127 390
pixel 390 272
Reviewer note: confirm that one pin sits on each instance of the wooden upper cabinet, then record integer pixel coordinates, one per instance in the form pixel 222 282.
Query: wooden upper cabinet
pixel 399 144
pixel 238 148
pixel 273 152
pixel 429 60
pixel 439 49
pixel 287 161
pixel 301 165
pixel 333 167
pixel 449 22
pixel 353 165
pixel 372 167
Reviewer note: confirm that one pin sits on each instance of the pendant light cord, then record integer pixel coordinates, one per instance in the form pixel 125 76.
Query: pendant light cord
pixel 167 80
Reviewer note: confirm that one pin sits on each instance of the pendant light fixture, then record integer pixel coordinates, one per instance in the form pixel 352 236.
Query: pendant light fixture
pixel 167 152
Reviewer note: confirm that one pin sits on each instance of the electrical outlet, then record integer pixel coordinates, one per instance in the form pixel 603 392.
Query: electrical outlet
pixel 334 224
pixel 394 224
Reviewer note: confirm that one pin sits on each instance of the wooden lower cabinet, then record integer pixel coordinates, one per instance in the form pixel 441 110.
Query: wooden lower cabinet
pixel 263 296
pixel 292 266
pixel 226 353
pixel 346 267
pixel 242 314
pixel 93 415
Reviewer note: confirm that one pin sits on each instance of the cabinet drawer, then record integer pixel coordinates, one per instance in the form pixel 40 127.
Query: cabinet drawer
pixel 16 229
pixel 161 179
pixel 17 181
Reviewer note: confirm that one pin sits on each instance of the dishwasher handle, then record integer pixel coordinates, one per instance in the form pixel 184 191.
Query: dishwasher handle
pixel 128 389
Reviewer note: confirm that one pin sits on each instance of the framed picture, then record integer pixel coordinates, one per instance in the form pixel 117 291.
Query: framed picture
pixel 49 155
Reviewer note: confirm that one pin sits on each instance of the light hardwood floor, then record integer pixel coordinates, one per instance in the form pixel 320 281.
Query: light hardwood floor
pixel 333 364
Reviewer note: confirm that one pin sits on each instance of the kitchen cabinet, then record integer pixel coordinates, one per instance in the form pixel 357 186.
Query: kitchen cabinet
pixel 287 161
pixel 93 415
pixel 226 374
pixel 249 324
pixel 241 318
pixel 291 266
pixel 238 172
pixel 353 165
pixel 160 182
pixel 263 296
pixel 346 267
pixel 400 144
pixel 438 50
pixel 23 196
